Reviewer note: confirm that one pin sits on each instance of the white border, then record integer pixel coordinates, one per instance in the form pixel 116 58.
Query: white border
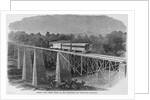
pixel 5 4
pixel 130 57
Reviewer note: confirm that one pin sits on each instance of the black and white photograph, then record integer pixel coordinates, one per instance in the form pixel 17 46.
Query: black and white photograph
pixel 71 53
pixel 74 49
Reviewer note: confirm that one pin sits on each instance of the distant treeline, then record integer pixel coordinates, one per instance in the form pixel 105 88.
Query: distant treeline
pixel 113 43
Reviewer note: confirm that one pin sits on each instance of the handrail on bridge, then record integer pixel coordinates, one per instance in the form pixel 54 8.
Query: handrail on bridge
pixel 96 56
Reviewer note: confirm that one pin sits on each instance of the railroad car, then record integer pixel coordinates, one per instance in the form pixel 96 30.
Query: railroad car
pixel 77 47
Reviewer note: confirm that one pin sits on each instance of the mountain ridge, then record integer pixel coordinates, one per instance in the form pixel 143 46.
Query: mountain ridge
pixel 67 24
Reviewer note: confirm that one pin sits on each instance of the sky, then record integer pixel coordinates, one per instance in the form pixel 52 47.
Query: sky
pixel 17 17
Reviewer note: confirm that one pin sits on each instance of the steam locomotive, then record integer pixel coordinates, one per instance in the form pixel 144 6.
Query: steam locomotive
pixel 77 47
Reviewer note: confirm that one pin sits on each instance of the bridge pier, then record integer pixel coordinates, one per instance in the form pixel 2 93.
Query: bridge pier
pixel 15 51
pixel 39 73
pixel 63 68
pixel 27 66
pixel 34 79
pixel 58 68
pixel 20 58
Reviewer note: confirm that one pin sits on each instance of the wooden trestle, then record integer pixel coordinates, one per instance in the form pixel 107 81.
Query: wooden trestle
pixel 83 64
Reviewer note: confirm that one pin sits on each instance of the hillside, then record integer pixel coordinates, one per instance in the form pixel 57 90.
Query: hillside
pixel 67 24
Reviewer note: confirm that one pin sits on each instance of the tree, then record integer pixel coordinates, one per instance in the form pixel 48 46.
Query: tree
pixel 86 39
pixel 38 34
pixel 47 34
pixel 11 35
pixel 93 38
pixel 115 43
pixel 32 34
pixel 101 38
pixel 19 36
pixel 72 36
pixel 77 39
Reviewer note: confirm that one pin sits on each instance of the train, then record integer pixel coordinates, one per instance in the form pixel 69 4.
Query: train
pixel 74 47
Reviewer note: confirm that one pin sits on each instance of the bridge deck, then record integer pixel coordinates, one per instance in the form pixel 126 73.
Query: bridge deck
pixel 91 55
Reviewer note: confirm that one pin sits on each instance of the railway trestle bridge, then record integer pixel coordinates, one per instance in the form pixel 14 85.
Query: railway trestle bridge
pixel 85 65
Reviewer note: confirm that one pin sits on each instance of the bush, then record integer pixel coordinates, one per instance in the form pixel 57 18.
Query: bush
pixel 65 85
pixel 71 85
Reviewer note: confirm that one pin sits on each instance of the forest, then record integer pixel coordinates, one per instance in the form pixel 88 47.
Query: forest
pixel 113 44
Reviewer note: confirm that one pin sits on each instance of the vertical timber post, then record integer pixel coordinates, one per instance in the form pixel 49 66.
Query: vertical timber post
pixel 58 68
pixel 97 70
pixel 109 75
pixel 24 66
pixel 34 80
pixel 74 70
pixel 19 63
pixel 87 72
pixel 81 65
pixel 125 70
